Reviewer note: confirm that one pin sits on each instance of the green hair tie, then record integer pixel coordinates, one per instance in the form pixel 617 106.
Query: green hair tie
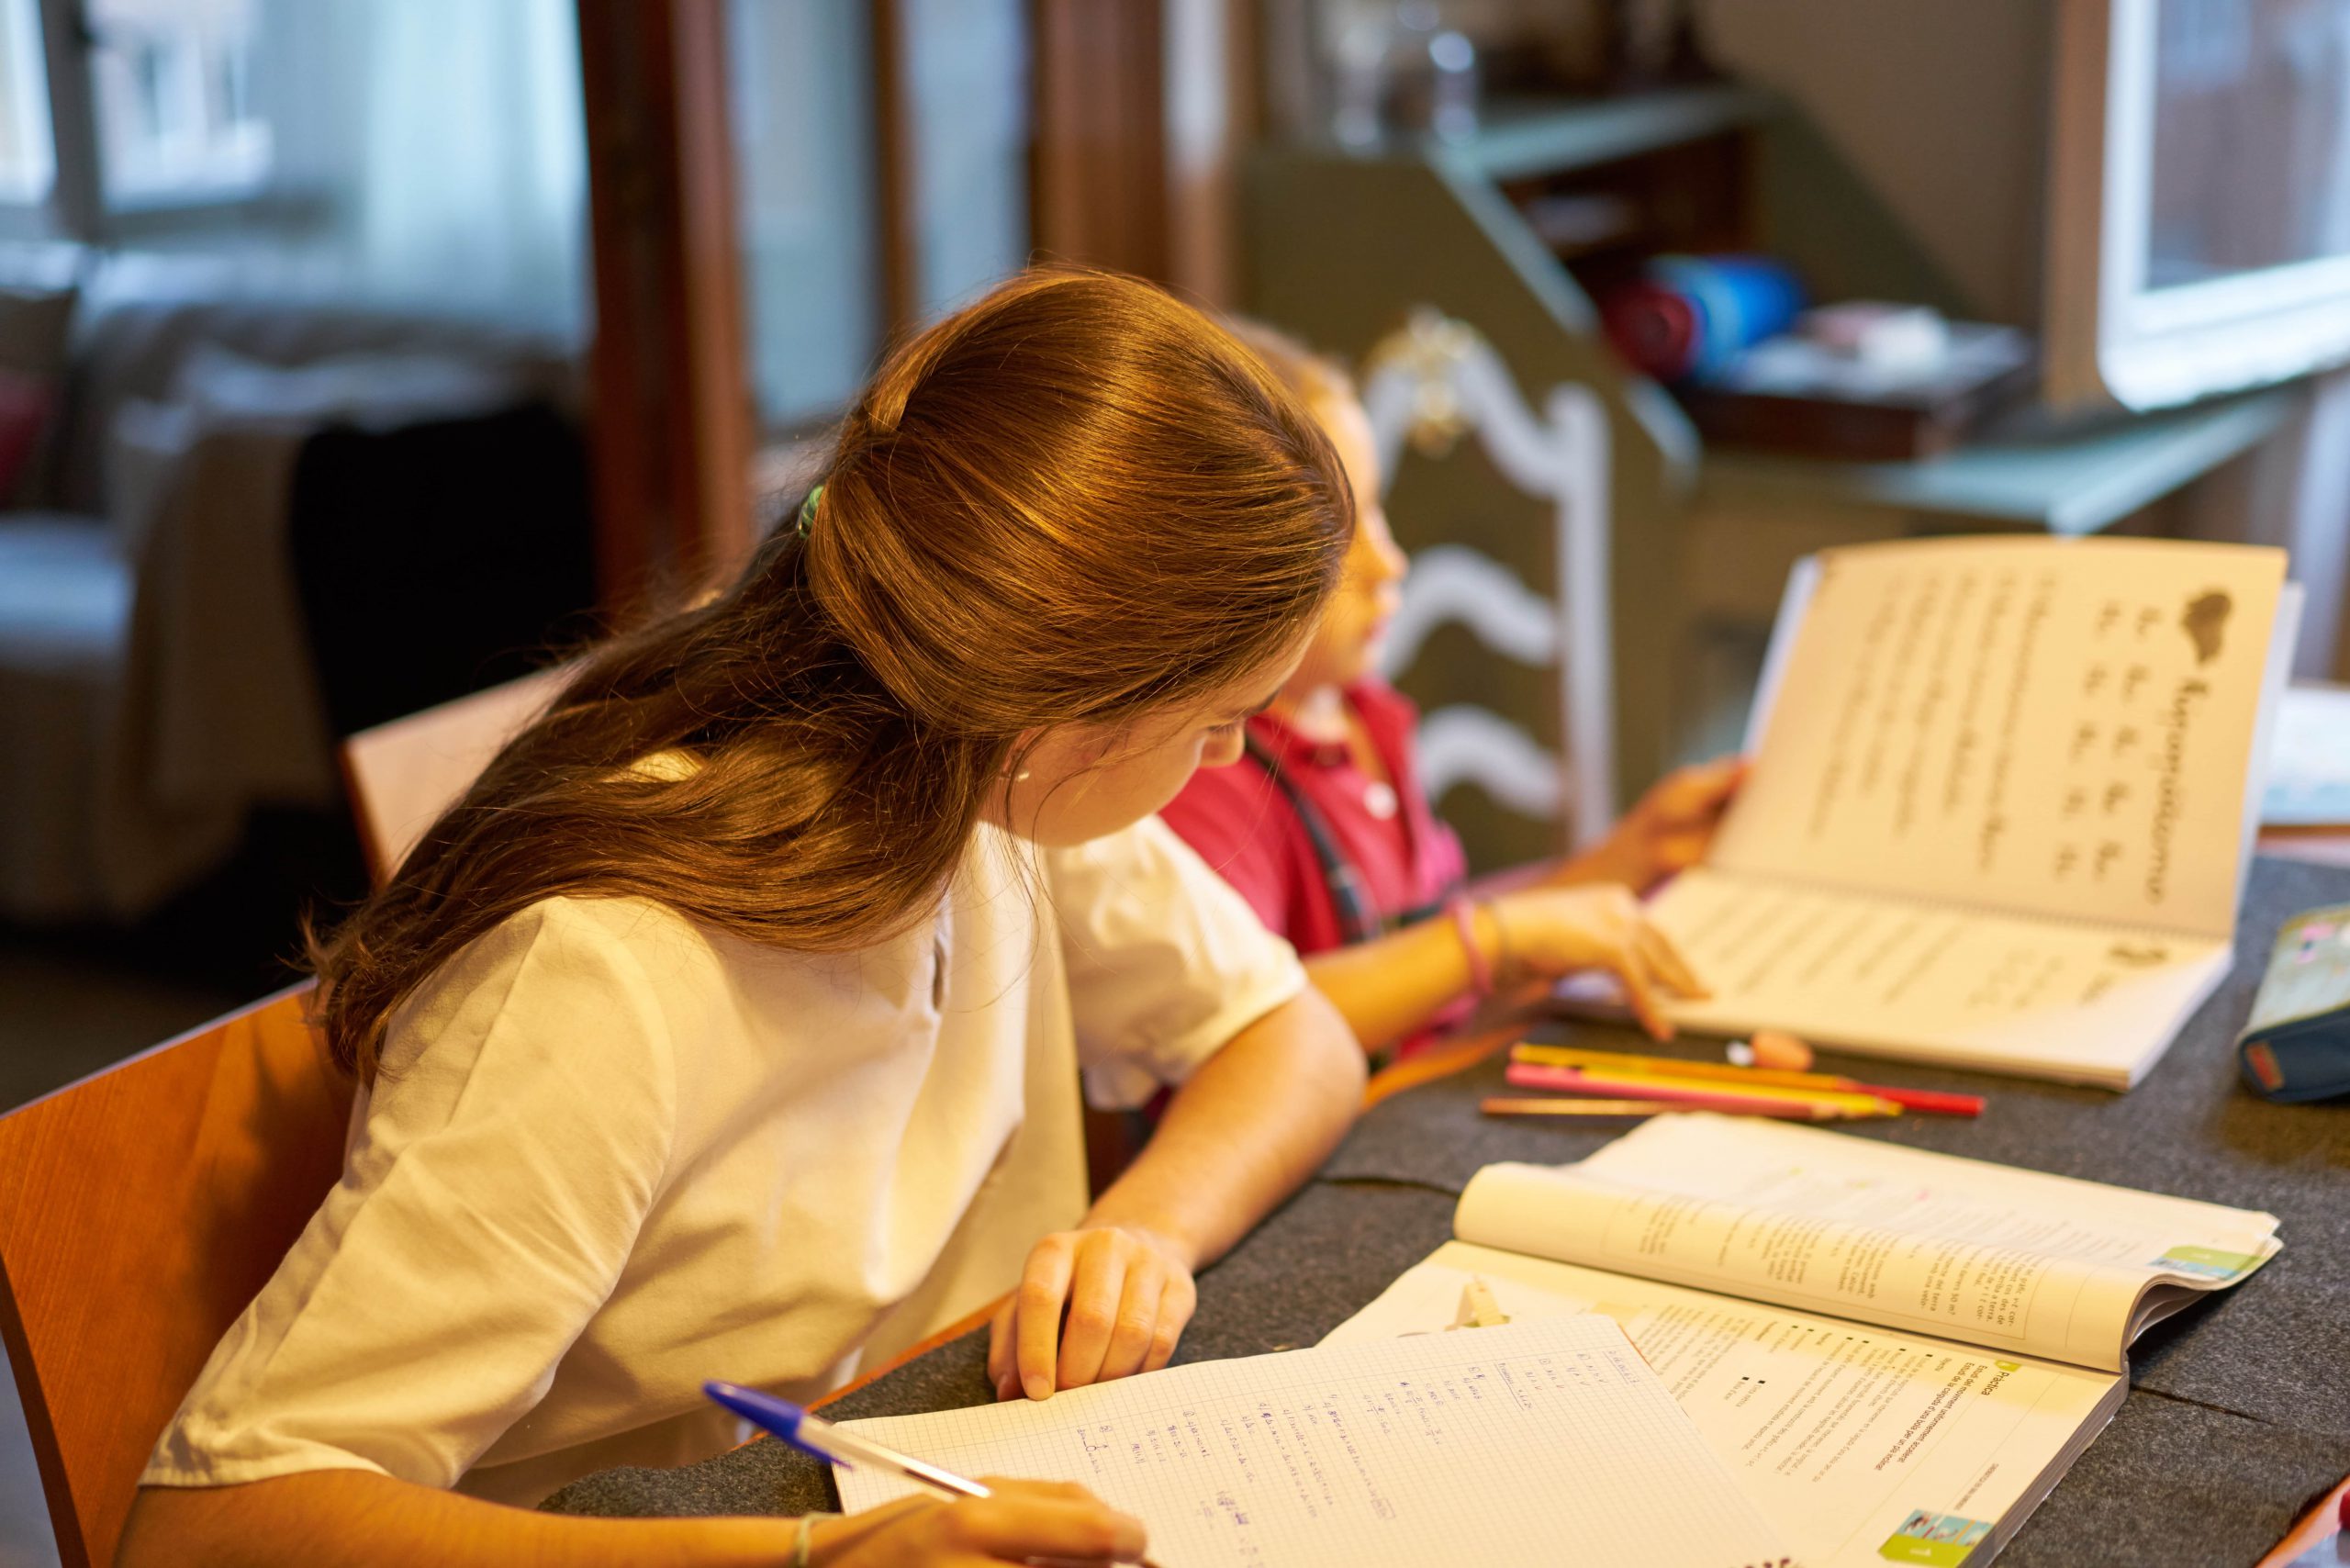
pixel 808 511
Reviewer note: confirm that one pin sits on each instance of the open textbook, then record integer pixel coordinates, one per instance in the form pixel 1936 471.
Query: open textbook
pixel 2003 795
pixel 1518 1448
pixel 1897 1353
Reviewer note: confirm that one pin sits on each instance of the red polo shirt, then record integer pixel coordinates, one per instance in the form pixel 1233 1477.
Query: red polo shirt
pixel 1242 825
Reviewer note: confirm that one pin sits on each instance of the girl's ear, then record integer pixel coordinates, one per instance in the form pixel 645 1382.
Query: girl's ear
pixel 1063 752
pixel 1016 765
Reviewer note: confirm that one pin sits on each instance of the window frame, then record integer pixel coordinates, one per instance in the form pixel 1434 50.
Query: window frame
pixel 2111 338
pixel 77 209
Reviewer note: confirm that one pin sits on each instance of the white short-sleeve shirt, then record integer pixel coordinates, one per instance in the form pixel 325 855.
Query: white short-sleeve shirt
pixel 613 1154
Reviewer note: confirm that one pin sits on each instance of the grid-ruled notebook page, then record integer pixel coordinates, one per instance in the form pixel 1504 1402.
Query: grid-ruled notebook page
pixel 1527 1444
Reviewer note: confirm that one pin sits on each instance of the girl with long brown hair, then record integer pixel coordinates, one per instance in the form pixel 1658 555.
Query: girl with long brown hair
pixel 730 1024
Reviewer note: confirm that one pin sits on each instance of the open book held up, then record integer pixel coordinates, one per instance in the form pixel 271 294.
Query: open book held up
pixel 2003 796
pixel 1896 1353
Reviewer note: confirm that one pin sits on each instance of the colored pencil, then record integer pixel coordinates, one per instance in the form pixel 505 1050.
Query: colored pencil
pixel 1539 1105
pixel 1802 1105
pixel 1936 1102
pixel 1546 1105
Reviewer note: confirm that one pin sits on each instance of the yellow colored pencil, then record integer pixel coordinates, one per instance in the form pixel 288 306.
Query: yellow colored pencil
pixel 1633 1061
pixel 1536 1105
pixel 1935 1101
pixel 1670 1086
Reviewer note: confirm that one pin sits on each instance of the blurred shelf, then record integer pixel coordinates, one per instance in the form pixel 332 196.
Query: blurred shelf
pixel 1519 140
pixel 2065 482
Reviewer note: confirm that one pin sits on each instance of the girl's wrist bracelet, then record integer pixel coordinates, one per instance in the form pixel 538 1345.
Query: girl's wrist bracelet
pixel 1505 972
pixel 1464 924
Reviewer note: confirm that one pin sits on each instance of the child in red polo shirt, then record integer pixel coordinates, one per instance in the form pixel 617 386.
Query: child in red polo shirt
pixel 1324 828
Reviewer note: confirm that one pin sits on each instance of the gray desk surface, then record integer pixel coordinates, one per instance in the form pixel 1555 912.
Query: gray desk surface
pixel 2239 1413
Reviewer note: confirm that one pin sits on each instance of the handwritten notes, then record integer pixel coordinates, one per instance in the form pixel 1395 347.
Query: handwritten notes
pixel 1514 1445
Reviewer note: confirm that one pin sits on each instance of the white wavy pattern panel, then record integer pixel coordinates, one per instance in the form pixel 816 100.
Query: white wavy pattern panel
pixel 1452 582
pixel 1461 745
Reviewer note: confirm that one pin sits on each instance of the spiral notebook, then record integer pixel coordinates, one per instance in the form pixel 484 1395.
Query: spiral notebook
pixel 2003 796
pixel 1518 1447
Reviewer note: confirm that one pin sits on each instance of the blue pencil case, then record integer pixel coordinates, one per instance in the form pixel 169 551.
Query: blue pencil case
pixel 2297 1045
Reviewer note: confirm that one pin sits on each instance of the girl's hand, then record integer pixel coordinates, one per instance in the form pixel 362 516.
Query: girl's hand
pixel 1670 828
pixel 1023 1519
pixel 1549 932
pixel 1128 1294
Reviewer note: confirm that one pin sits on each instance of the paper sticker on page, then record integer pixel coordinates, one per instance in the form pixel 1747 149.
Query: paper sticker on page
pixel 1923 1243
pixel 1841 1433
pixel 1933 981
pixel 2055 727
pixel 1507 1448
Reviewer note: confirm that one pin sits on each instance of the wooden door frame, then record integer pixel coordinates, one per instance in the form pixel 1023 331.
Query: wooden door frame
pixel 673 430
pixel 1097 166
pixel 1141 110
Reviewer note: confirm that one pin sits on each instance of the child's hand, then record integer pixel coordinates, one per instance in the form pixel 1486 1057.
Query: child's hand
pixel 1022 1521
pixel 1549 931
pixel 1127 1292
pixel 1671 825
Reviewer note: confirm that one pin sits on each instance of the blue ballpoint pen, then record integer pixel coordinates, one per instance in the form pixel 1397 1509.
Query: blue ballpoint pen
pixel 813 1434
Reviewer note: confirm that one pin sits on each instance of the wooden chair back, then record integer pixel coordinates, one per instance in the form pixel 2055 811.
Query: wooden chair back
pixel 140 1210
pixel 402 774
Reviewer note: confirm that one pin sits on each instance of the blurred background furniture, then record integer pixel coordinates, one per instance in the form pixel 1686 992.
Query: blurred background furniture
pixel 259 526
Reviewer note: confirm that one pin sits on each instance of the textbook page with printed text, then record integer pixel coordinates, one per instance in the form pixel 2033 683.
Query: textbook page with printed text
pixel 1897 1353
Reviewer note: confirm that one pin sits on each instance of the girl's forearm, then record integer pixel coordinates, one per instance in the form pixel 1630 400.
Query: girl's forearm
pixel 1248 1127
pixel 1391 987
pixel 351 1519
pixel 1609 860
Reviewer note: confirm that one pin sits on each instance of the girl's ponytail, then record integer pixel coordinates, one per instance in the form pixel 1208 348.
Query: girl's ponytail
pixel 1067 503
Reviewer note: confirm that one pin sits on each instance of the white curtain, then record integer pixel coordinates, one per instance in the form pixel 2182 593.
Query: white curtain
pixel 473 178
pixel 803 120
pixel 444 141
pixel 968 60
pixel 799 84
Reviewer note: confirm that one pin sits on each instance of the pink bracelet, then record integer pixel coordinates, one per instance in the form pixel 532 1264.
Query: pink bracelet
pixel 1465 921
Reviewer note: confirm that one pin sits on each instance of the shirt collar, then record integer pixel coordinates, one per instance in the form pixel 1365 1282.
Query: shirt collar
pixel 1384 713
